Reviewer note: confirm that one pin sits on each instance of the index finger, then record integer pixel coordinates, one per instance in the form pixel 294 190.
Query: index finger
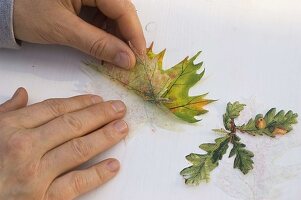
pixel 40 113
pixel 124 12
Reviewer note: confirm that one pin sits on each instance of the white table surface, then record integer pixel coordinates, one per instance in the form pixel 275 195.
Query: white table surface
pixel 252 53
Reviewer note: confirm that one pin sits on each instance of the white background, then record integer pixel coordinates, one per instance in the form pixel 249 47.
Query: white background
pixel 252 53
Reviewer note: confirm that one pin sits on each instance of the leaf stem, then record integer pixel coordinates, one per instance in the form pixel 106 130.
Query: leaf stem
pixel 233 126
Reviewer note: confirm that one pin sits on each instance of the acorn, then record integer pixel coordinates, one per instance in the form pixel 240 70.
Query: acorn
pixel 261 123
pixel 279 131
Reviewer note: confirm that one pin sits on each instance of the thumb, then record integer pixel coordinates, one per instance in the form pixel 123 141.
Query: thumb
pixel 99 43
pixel 18 100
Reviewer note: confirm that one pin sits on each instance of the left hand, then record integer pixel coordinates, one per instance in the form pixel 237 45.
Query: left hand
pixel 41 144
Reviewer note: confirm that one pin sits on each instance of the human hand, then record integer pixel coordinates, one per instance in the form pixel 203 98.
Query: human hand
pixel 41 143
pixel 57 22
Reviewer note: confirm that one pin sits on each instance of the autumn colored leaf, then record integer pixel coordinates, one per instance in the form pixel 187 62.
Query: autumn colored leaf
pixel 168 88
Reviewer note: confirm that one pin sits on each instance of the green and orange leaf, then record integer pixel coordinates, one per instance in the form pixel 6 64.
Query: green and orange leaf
pixel 168 88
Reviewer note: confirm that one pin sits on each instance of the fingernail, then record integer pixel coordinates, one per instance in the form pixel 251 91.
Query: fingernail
pixel 140 51
pixel 118 106
pixel 121 126
pixel 113 165
pixel 122 60
pixel 96 99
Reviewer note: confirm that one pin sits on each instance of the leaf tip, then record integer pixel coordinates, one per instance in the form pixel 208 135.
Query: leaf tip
pixel 195 56
pixel 161 55
pixel 150 48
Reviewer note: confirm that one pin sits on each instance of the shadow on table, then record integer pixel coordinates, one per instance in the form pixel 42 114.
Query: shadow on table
pixel 51 62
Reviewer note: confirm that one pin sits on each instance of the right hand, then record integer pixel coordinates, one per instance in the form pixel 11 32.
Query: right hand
pixel 58 22
pixel 41 144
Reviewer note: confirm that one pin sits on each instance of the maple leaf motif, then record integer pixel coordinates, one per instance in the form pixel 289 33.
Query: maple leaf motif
pixel 168 88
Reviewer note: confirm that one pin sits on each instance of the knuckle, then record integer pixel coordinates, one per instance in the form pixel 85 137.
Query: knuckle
pixel 109 136
pixel 56 106
pixel 81 150
pixel 98 48
pixel 79 183
pixel 47 162
pixel 101 176
pixel 128 5
pixel 54 193
pixel 6 120
pixel 20 144
pixel 32 169
pixel 51 195
pixel 74 123
pixel 85 101
pixel 11 120
pixel 106 110
pixel 28 172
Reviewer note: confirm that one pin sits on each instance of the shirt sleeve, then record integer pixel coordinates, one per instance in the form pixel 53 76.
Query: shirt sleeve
pixel 7 38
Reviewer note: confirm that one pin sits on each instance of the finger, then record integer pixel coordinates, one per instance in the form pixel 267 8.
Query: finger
pixel 38 114
pixel 110 26
pixel 98 43
pixel 82 149
pixel 79 123
pixel 18 100
pixel 113 28
pixel 106 24
pixel 125 14
pixel 100 20
pixel 78 182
